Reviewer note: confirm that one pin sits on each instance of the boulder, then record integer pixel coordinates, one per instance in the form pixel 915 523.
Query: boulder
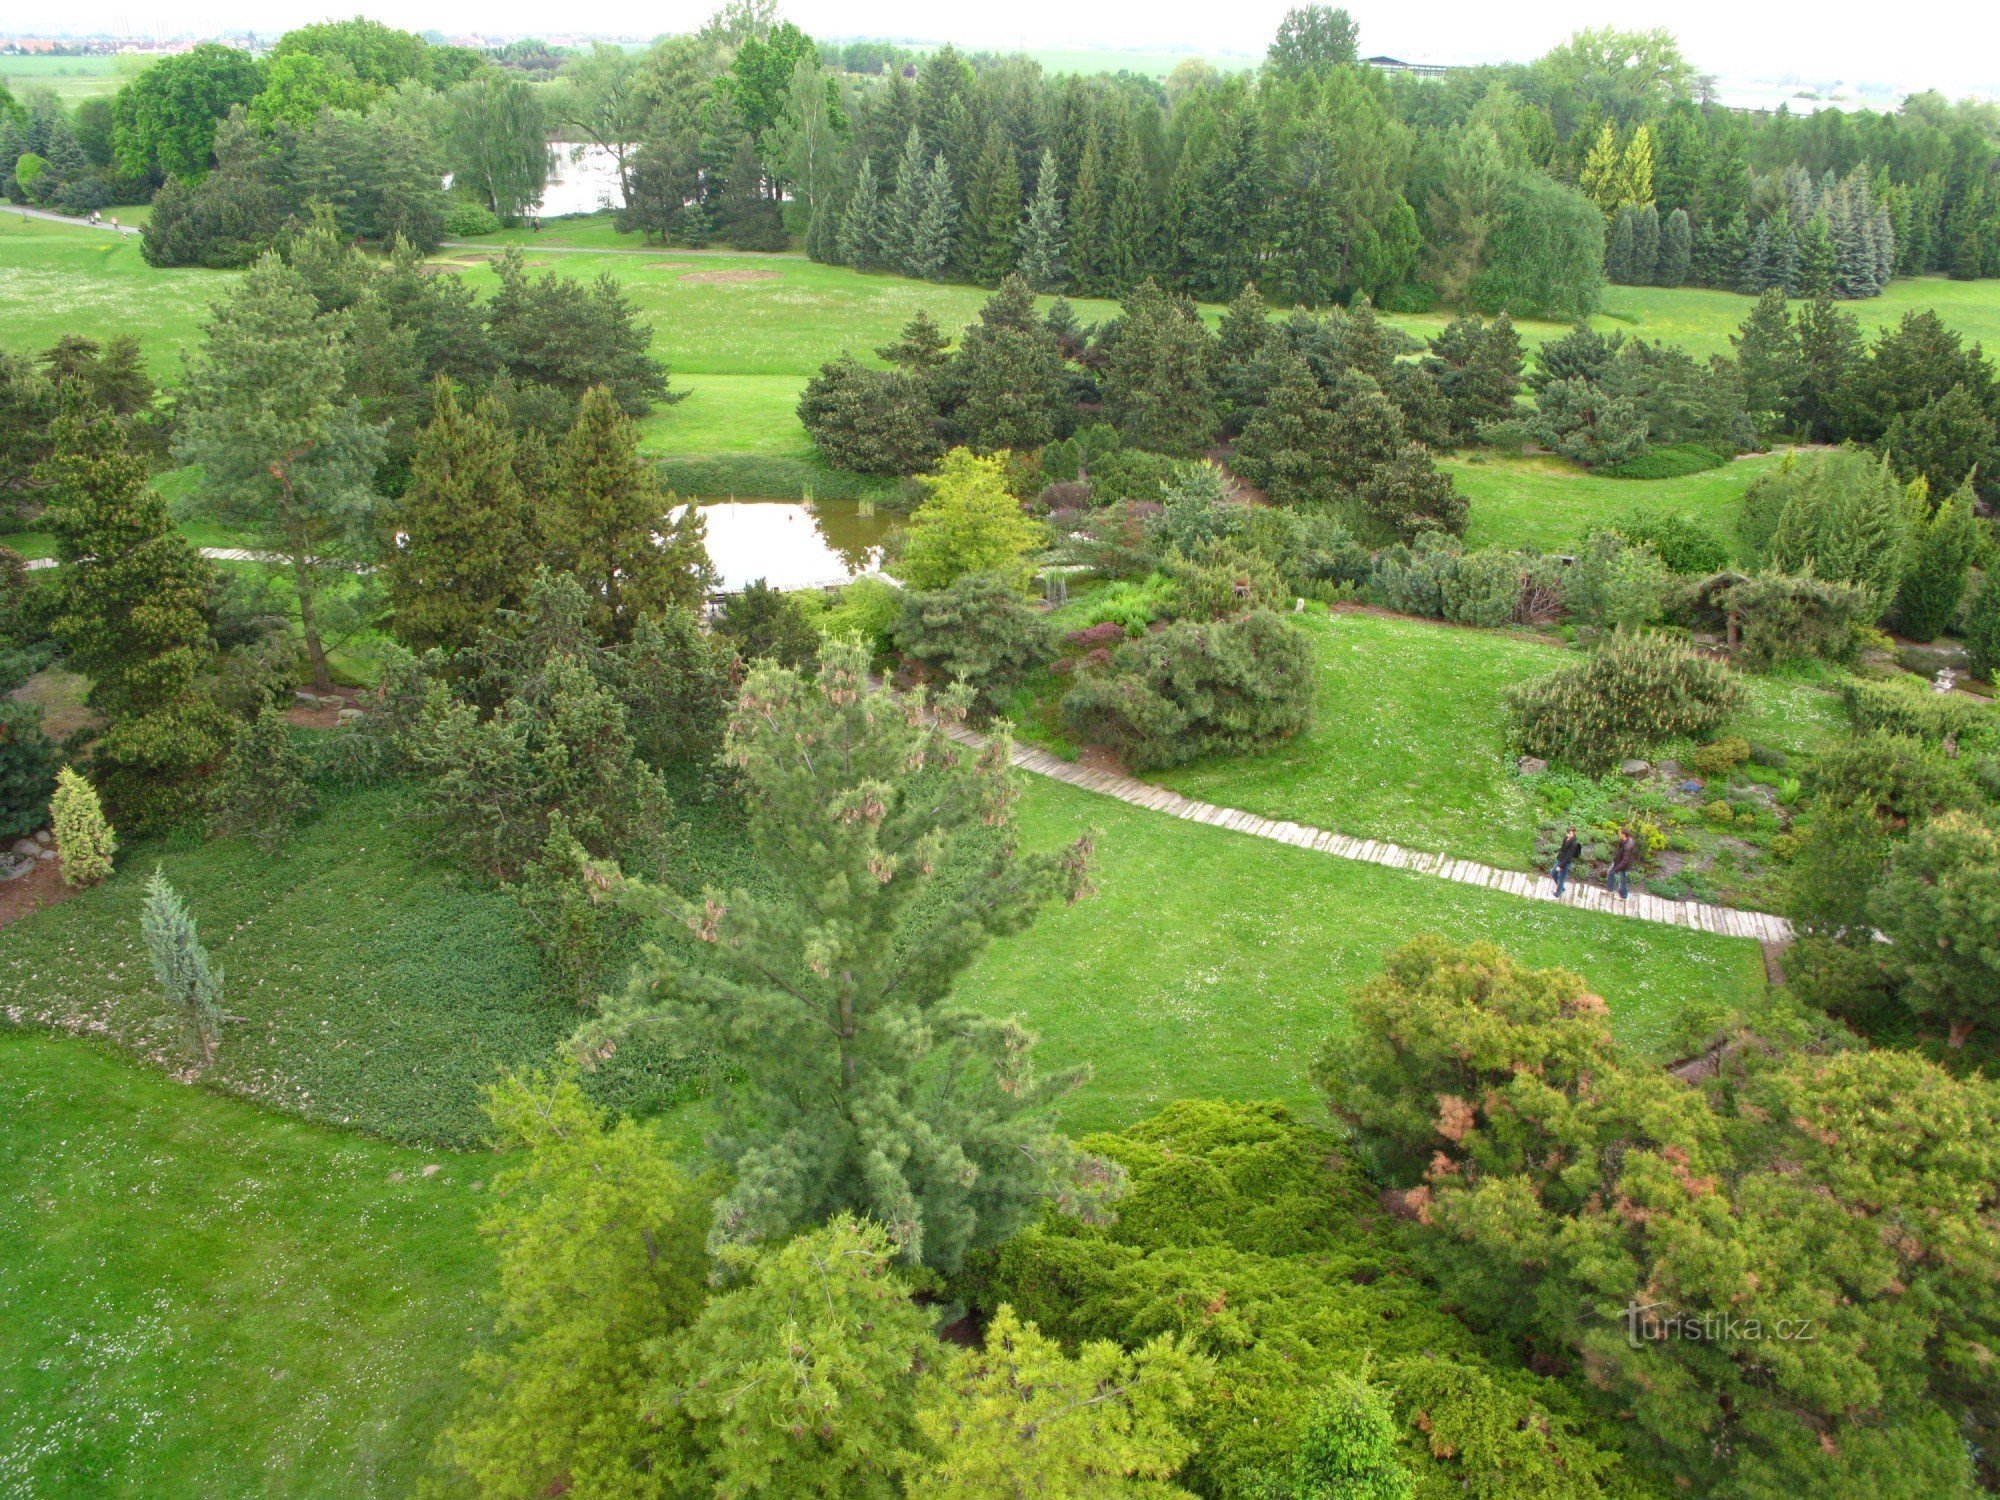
pixel 1635 768
pixel 44 837
pixel 12 868
pixel 1669 768
pixel 26 848
pixel 349 715
pixel 1532 765
pixel 46 854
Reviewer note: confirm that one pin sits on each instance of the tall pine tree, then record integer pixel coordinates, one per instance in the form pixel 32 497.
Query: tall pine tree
pixel 1041 243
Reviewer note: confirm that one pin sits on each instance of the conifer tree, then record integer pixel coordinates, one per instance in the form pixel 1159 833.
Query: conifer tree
pixel 1085 222
pixel 282 446
pixel 1816 260
pixel 992 211
pixel 130 608
pixel 904 207
pixel 1286 445
pixel 188 979
pixel 464 547
pixel 1676 250
pixel 860 244
pixel 1008 374
pixel 1635 168
pixel 1943 545
pixel 1599 177
pixel 935 231
pixel 1040 242
pixel 608 523
pixel 1128 252
pixel 1830 363
pixel 1619 248
pixel 1156 383
pixel 84 840
pixel 1242 339
pixel 860 1085
pixel 1767 357
pixel 262 791
pixel 1646 246
pixel 1784 252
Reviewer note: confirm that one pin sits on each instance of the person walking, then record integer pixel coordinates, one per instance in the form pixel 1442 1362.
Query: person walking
pixel 1623 857
pixel 1565 857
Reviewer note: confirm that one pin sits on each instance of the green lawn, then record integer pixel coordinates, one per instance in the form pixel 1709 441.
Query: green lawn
pixel 201 1297
pixel 1212 963
pixel 1409 737
pixel 68 78
pixel 1550 504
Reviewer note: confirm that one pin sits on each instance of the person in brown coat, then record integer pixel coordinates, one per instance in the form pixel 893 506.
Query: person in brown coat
pixel 1625 855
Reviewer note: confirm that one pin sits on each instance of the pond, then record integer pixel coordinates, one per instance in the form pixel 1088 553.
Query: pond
pixel 582 180
pixel 792 544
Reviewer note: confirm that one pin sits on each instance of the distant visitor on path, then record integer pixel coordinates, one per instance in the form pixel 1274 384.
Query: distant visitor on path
pixel 1565 857
pixel 1623 857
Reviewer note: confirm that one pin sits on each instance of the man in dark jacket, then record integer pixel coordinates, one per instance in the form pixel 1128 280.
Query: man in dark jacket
pixel 1565 857
pixel 1623 857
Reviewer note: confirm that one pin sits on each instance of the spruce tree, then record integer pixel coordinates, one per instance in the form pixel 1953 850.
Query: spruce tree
pixel 992 204
pixel 189 981
pixel 1040 243
pixel 858 1082
pixel 1008 374
pixel 1243 338
pixel 1816 260
pixel 1831 363
pixel 1129 253
pixel 130 603
pixel 935 230
pixel 1676 250
pixel 860 244
pixel 1156 383
pixel 1767 358
pixel 464 543
pixel 905 205
pixel 608 523
pixel 1784 253
pixel 1086 223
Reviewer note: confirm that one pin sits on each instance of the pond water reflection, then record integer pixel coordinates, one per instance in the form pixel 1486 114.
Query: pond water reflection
pixel 583 179
pixel 793 544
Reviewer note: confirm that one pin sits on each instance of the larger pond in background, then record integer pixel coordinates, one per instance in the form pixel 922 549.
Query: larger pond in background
pixel 582 180
pixel 793 544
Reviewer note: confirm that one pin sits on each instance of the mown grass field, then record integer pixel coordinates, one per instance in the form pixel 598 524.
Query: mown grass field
pixel 1550 504
pixel 200 1297
pixel 742 332
pixel 68 78
pixel 1409 737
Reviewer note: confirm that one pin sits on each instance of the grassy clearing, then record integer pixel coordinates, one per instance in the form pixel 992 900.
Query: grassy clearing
pixel 1212 964
pixel 1408 741
pixel 205 1298
pixel 381 991
pixel 68 78
pixel 1550 504
pixel 1701 321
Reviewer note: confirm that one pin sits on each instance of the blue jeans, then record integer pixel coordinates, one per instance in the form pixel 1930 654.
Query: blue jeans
pixel 1619 881
pixel 1560 875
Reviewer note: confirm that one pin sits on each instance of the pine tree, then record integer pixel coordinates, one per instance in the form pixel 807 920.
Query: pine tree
pixel 1156 383
pixel 936 227
pixel 464 547
pixel 861 242
pixel 1676 250
pixel 1830 366
pixel 1287 443
pixel 130 608
pixel 1129 253
pixel 1646 246
pixel 1242 339
pixel 1943 547
pixel 1008 374
pixel 858 1083
pixel 1040 242
pixel 84 840
pixel 608 524
pixel 576 931
pixel 189 981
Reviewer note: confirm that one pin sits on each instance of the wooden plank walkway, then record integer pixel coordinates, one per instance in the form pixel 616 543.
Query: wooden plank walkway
pixel 1725 921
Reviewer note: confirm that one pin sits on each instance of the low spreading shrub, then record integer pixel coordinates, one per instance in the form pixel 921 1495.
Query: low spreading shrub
pixel 1719 757
pixel 1633 692
pixel 1196 689
pixel 979 631
pixel 1905 706
pixel 1674 461
pixel 1783 619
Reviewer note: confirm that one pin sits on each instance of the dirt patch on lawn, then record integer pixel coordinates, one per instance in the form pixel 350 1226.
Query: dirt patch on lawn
pixel 59 695
pixel 721 278
pixel 1097 758
pixel 322 715
pixel 40 887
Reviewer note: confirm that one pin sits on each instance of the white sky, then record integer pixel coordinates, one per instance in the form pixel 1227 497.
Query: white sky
pixel 1954 47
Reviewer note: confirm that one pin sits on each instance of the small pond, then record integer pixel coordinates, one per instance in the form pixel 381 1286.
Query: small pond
pixel 793 544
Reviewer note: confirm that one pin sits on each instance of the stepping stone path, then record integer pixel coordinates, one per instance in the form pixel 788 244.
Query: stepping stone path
pixel 1725 921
